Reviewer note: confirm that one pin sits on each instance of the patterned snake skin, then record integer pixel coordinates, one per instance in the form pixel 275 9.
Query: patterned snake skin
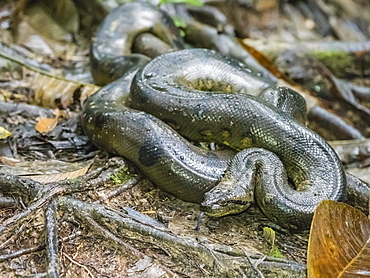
pixel 191 92
pixel 205 96
pixel 111 52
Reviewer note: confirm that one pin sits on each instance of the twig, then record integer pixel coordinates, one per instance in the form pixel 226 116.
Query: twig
pixel 124 187
pixel 80 265
pixel 30 250
pixel 12 222
pixel 286 249
pixel 21 252
pixel 28 187
pixel 6 242
pixel 335 124
pixel 199 221
pixel 38 275
pixel 260 274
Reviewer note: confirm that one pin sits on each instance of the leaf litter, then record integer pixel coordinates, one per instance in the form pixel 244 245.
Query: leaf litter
pixel 239 236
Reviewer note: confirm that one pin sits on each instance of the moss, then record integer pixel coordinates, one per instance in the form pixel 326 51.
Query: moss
pixel 337 61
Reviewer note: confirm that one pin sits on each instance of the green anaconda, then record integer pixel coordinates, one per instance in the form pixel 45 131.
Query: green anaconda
pixel 111 52
pixel 207 96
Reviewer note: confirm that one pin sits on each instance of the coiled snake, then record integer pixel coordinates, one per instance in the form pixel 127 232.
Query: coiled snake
pixel 206 96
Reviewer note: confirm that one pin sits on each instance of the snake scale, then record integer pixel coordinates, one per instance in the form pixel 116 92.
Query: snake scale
pixel 206 96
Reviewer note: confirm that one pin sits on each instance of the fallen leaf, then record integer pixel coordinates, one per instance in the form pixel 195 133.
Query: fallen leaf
pixel 359 266
pixel 339 242
pixel 4 160
pixel 4 133
pixel 60 176
pixel 50 89
pixel 45 125
pixel 6 95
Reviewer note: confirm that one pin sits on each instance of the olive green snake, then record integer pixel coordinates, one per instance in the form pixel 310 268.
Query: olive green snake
pixel 206 96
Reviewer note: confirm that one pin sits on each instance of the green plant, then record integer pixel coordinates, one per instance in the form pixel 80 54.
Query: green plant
pixel 121 176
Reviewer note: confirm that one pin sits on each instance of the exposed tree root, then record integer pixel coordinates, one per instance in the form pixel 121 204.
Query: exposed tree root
pixel 128 229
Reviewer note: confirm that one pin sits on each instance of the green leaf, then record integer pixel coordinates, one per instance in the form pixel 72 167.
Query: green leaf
pixel 190 2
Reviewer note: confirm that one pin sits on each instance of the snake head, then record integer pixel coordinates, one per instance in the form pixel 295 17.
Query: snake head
pixel 227 198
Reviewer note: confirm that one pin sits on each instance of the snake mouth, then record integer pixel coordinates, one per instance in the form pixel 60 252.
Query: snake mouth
pixel 225 207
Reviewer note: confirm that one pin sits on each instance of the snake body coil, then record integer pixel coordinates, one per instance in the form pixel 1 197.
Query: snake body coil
pixel 206 96
pixel 190 92
pixel 111 52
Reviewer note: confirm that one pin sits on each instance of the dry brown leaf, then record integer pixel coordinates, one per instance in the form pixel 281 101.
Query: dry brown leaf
pixel 60 176
pixel 360 265
pixel 262 59
pixel 40 167
pixel 45 125
pixel 49 90
pixel 6 95
pixel 4 160
pixel 339 242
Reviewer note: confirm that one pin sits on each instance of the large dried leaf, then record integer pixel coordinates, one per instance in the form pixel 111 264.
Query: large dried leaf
pixel 50 90
pixel 60 176
pixel 360 265
pixel 339 242
pixel 27 36
pixel 45 171
pixel 4 160
pixel 53 90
